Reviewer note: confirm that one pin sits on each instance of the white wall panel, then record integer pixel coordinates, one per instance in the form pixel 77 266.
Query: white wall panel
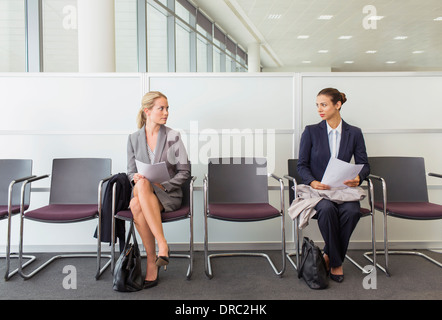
pixel 45 116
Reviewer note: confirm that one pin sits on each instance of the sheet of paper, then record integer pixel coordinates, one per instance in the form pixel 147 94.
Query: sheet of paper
pixel 338 171
pixel 156 172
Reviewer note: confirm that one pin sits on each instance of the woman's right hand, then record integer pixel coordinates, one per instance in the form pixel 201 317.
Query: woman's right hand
pixel 318 185
pixel 137 177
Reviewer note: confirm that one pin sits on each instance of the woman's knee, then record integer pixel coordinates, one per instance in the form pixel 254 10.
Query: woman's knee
pixel 135 207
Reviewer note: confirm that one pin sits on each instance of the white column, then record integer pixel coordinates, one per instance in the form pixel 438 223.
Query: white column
pixel 96 35
pixel 254 57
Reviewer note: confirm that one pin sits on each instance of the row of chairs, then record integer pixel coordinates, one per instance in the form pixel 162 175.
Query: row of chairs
pixel 235 190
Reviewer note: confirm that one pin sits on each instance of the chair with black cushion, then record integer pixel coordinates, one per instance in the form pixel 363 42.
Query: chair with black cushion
pixel 75 196
pixel 401 192
pixel 294 179
pixel 236 190
pixel 184 212
pixel 12 174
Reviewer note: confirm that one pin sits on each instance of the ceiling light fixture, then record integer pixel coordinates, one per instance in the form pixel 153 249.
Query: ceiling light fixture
pixel 306 61
pixel 274 16
pixel 325 17
pixel 349 62
pixel 345 37
pixel 376 18
pixel 400 38
pixel 390 62
pixel 370 51
pixel 303 37
pixel 322 51
pixel 438 19
pixel 418 51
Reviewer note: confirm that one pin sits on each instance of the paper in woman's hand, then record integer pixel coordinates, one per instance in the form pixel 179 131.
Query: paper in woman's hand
pixel 338 171
pixel 156 172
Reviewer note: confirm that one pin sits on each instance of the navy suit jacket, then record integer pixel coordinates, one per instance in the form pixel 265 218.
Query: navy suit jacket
pixel 314 151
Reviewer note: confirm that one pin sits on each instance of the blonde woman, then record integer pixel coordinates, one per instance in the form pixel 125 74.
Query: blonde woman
pixel 154 143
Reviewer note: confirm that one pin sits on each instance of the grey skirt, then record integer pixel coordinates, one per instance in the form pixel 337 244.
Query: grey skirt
pixel 169 203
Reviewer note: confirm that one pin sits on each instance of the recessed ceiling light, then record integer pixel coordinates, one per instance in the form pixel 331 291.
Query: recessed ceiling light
pixel 349 62
pixel 303 37
pixel 274 16
pixel 325 17
pixel 306 61
pixel 418 51
pixel 345 37
pixel 322 51
pixel 377 18
pixel 400 38
pixel 438 19
pixel 370 51
pixel 390 62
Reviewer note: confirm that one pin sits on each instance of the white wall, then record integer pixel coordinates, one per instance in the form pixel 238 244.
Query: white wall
pixel 44 116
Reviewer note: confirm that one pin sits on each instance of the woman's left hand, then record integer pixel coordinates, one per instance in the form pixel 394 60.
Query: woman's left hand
pixel 353 183
pixel 160 186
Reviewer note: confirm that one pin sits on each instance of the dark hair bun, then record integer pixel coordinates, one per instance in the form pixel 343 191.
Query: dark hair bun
pixel 343 97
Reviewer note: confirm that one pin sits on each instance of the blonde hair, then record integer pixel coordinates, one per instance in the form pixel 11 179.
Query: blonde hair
pixel 147 102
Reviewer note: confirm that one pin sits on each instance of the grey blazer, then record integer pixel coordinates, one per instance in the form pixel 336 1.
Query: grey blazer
pixel 171 150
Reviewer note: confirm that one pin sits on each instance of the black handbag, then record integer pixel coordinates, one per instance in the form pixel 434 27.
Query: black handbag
pixel 127 272
pixel 312 267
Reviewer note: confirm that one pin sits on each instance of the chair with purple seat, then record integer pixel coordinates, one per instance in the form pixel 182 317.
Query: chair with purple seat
pixel 75 196
pixel 236 190
pixel 184 212
pixel 401 192
pixel 12 174
pixel 294 179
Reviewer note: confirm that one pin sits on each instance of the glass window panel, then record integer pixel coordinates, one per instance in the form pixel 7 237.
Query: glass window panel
pixel 156 40
pixel 126 54
pixel 202 53
pixel 60 36
pixel 182 12
pixel 182 48
pixel 12 36
pixel 216 60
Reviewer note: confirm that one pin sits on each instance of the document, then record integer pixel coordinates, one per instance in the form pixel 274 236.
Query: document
pixel 338 171
pixel 156 172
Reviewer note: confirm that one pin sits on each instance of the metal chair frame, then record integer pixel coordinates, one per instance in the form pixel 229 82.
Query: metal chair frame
pixel 207 257
pixel 8 256
pixel 297 232
pixel 386 251
pixel 98 256
pixel 189 256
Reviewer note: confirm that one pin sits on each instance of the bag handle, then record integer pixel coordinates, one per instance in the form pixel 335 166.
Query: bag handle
pixel 129 235
pixel 301 267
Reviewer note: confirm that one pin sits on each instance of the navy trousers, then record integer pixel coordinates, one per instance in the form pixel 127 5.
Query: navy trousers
pixel 336 223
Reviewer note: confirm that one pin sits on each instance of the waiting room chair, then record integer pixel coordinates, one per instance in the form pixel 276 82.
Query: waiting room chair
pixel 236 190
pixel 294 179
pixel 184 212
pixel 75 196
pixel 12 174
pixel 401 192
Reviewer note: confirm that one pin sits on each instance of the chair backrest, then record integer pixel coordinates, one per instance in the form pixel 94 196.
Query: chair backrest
pixel 13 169
pixel 293 172
pixel 404 176
pixel 75 180
pixel 238 180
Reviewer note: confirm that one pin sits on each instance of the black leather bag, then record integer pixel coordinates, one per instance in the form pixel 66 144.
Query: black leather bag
pixel 127 272
pixel 312 267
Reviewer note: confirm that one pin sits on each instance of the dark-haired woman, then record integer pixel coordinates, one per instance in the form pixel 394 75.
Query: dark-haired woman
pixel 332 137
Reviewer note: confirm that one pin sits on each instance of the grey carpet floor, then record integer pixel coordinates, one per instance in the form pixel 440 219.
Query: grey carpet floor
pixel 235 278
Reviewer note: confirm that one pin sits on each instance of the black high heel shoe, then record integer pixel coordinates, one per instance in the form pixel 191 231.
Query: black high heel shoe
pixel 337 277
pixel 152 283
pixel 163 260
